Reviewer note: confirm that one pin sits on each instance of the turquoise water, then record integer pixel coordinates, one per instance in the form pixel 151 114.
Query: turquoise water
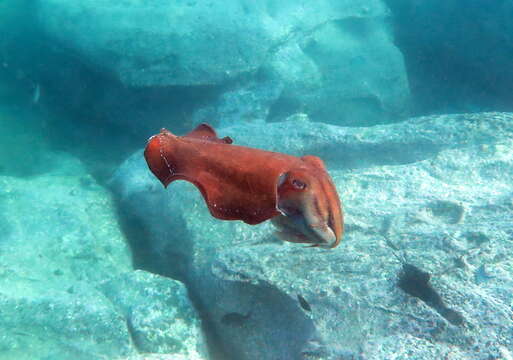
pixel 408 104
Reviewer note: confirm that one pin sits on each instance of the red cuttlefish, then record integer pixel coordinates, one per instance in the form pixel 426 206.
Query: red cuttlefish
pixel 252 185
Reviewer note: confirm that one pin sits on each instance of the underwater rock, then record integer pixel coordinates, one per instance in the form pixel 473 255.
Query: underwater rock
pixel 249 103
pixel 66 273
pixel 50 257
pixel 45 322
pixel 157 357
pixel 346 71
pixel 401 185
pixel 164 43
pixel 334 60
pixel 160 317
pixel 51 238
pixel 311 73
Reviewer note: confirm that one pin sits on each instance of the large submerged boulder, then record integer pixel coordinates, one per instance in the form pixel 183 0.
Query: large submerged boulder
pixel 159 315
pixel 334 60
pixel 165 42
pixel 429 194
pixel 67 285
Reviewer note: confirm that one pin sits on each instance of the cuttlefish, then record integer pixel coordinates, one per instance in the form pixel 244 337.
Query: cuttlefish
pixel 252 185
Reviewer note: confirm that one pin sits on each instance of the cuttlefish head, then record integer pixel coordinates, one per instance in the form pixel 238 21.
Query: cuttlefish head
pixel 309 205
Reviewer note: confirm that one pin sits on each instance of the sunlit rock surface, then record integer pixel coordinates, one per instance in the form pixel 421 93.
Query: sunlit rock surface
pixel 159 315
pixel 65 273
pixel 335 60
pixel 434 192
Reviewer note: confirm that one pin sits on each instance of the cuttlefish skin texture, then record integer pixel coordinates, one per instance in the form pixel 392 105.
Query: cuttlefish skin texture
pixel 252 185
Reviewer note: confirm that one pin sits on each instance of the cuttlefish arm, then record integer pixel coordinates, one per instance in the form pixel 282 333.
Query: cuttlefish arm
pixel 252 185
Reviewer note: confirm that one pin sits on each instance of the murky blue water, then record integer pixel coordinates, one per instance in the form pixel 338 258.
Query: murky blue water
pixel 378 131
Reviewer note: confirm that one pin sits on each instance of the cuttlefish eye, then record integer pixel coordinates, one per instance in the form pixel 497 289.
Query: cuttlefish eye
pixel 298 184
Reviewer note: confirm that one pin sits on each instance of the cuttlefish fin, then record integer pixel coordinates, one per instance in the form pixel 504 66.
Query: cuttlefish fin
pixel 207 132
